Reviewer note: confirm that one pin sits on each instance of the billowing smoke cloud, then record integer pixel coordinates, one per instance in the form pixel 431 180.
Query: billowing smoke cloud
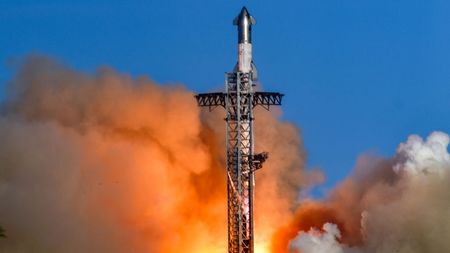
pixel 400 205
pixel 109 163
pixel 320 242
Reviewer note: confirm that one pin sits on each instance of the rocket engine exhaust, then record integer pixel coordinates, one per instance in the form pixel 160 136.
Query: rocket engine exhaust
pixel 98 163
pixel 106 162
pixel 398 204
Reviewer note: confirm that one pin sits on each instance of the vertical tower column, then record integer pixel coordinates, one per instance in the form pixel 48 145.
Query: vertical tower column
pixel 239 162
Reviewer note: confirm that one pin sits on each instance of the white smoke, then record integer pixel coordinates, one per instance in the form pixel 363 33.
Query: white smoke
pixel 408 215
pixel 423 157
pixel 316 241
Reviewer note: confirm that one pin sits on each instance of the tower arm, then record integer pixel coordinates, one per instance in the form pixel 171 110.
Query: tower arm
pixel 258 160
pixel 266 99
pixel 211 100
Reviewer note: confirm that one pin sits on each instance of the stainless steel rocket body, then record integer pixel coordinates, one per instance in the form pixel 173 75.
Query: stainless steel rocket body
pixel 244 22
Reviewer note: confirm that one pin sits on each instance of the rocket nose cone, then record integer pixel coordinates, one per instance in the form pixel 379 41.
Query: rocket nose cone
pixel 244 17
pixel 244 12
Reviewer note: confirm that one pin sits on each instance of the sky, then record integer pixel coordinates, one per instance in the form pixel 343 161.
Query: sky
pixel 359 76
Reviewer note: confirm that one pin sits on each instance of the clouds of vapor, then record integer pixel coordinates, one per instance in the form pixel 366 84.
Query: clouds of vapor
pixel 319 242
pixel 407 214
pixel 107 163
pixel 423 157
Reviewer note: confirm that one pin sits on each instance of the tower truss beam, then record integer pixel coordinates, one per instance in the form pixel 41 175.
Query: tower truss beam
pixel 215 99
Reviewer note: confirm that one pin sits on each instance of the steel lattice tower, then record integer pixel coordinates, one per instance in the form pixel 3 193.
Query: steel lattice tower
pixel 239 101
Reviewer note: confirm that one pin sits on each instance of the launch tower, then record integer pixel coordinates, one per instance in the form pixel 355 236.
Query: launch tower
pixel 239 99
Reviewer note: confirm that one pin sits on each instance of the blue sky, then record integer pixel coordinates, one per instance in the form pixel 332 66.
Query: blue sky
pixel 359 76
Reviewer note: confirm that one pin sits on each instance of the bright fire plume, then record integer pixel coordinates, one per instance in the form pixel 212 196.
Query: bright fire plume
pixel 108 163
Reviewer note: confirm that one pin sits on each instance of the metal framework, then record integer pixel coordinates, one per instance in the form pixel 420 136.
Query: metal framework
pixel 265 99
pixel 239 101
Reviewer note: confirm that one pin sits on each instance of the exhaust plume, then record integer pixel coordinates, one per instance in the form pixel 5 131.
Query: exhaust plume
pixel 109 163
pixel 400 205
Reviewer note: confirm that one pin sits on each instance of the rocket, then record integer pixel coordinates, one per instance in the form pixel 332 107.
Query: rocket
pixel 238 100
pixel 244 22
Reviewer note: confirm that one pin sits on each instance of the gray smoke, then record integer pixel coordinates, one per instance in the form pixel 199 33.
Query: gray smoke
pixel 410 213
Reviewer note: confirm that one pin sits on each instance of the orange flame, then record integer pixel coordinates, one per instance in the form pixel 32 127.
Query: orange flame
pixel 129 166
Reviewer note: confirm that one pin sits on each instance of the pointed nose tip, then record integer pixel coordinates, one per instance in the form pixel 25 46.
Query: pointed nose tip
pixel 244 15
pixel 244 11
